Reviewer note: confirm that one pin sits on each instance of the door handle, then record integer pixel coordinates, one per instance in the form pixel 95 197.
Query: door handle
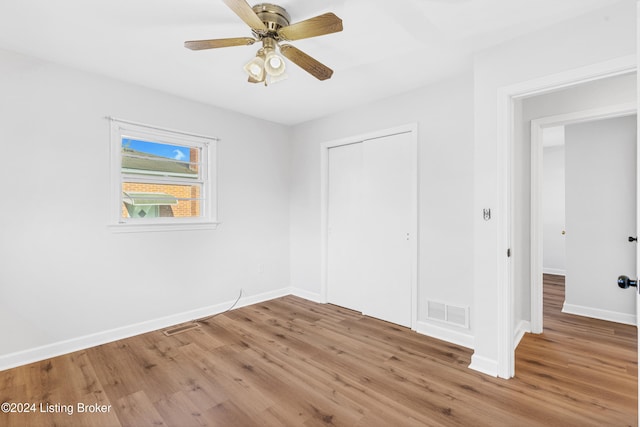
pixel 633 239
pixel 624 282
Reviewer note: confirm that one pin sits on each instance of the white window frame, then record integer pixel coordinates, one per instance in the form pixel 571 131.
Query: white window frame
pixel 208 173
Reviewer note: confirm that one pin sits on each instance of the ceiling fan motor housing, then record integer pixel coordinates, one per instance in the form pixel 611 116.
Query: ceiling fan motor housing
pixel 273 16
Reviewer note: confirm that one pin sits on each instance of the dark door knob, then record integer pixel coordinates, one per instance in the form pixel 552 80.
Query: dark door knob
pixel 633 239
pixel 624 282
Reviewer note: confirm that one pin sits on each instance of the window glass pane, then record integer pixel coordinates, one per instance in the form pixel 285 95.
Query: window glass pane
pixel 151 200
pixel 153 158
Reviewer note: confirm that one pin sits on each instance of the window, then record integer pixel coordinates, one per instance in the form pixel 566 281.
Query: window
pixel 161 179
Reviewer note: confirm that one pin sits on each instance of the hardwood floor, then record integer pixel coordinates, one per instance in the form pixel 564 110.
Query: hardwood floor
pixel 292 362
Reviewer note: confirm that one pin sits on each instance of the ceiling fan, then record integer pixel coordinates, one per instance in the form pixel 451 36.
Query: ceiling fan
pixel 270 25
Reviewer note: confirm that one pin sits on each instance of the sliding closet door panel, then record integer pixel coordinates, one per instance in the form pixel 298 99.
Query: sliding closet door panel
pixel 388 196
pixel 344 239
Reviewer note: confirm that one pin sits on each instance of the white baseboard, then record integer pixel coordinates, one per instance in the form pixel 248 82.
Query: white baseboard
pixel 596 313
pixel 37 354
pixel 484 365
pixel 554 271
pixel 463 339
pixel 523 327
pixel 258 298
pixel 308 295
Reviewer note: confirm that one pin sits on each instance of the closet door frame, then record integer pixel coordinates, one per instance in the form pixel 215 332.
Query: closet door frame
pixel 411 128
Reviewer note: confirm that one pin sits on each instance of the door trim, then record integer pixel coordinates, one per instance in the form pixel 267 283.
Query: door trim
pixel 324 206
pixel 537 175
pixel 506 97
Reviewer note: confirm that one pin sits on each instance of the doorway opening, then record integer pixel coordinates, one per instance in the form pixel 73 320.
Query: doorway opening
pixel 537 227
pixel 509 332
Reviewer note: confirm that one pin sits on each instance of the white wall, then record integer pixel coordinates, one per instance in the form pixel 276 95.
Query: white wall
pixel 592 38
pixel 65 275
pixel 600 215
pixel 553 211
pixel 444 116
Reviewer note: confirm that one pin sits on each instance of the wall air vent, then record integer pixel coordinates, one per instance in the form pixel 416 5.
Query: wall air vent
pixel 451 314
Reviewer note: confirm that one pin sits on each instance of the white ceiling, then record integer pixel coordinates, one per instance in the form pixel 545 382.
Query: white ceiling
pixel 387 47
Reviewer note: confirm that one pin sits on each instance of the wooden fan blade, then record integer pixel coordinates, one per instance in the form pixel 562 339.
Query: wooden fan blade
pixel 246 13
pixel 313 27
pixel 216 43
pixel 307 63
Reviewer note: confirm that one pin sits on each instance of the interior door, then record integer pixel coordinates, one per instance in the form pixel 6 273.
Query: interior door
pixel 344 231
pixel 370 227
pixel 638 199
pixel 625 281
pixel 600 212
pixel 388 189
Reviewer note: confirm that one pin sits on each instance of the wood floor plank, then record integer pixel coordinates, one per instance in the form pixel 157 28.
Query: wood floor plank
pixel 137 410
pixel 179 409
pixel 292 362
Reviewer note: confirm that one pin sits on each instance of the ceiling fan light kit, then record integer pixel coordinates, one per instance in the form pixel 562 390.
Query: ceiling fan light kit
pixel 271 64
pixel 255 68
pixel 270 25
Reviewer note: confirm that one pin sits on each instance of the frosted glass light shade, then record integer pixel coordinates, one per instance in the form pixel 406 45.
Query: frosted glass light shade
pixel 255 68
pixel 274 64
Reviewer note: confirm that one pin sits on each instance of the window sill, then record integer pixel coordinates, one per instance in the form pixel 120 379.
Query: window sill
pixel 143 228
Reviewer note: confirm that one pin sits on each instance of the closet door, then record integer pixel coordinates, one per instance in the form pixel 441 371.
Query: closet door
pixel 371 205
pixel 344 232
pixel 388 195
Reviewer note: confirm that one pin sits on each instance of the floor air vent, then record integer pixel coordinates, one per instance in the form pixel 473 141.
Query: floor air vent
pixel 179 329
pixel 451 314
